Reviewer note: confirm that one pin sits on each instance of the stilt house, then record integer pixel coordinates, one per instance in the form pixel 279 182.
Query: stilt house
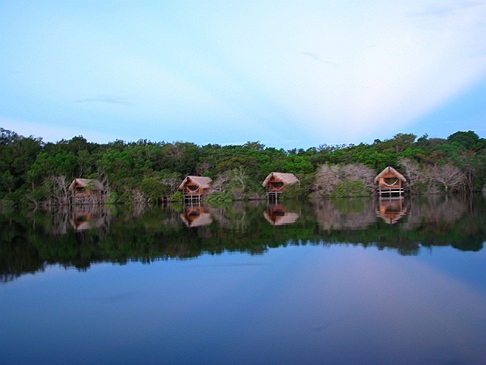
pixel 276 182
pixel 389 182
pixel 86 191
pixel 194 187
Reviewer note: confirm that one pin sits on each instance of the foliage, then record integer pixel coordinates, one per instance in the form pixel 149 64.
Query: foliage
pixel 176 197
pixel 150 172
pixel 153 189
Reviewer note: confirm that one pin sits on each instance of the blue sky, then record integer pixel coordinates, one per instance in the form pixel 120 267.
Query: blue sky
pixel 285 73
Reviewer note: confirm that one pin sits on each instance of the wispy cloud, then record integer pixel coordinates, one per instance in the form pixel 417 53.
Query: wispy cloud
pixel 318 58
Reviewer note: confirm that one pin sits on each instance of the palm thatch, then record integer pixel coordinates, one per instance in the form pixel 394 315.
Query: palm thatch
pixel 285 178
pixel 91 184
pixel 201 181
pixel 390 171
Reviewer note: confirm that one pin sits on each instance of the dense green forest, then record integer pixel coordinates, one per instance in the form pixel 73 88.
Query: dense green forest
pixel 34 172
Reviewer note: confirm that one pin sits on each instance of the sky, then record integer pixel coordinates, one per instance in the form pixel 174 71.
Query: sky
pixel 288 74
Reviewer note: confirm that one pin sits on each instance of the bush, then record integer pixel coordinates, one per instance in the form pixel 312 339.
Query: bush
pixel 153 189
pixel 112 198
pixel 294 191
pixel 218 198
pixel 176 197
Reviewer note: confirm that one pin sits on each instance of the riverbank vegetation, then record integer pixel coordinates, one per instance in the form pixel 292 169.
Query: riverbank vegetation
pixel 33 172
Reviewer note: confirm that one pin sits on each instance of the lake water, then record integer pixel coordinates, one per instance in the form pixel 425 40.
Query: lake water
pixel 336 282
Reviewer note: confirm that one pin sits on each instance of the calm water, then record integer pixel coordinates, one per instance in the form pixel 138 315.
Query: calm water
pixel 337 282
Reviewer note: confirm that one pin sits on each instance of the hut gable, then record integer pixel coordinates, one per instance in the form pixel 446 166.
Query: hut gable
pixel 195 185
pixel 389 172
pixel 277 181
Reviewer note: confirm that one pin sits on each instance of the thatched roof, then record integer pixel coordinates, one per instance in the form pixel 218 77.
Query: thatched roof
pixel 390 170
pixel 83 183
pixel 286 178
pixel 201 181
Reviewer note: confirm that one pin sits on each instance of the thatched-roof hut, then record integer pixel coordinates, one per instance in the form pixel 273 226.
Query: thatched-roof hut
pixel 276 182
pixel 86 191
pixel 194 187
pixel 389 182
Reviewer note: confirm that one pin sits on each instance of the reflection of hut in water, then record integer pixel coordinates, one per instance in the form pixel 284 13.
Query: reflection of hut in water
pixel 194 187
pixel 276 182
pixel 391 210
pixel 278 216
pixel 196 216
pixel 86 191
pixel 88 217
pixel 389 182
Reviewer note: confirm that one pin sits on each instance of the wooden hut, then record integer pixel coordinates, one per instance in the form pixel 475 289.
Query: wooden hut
pixel 389 182
pixel 194 187
pixel 276 182
pixel 86 191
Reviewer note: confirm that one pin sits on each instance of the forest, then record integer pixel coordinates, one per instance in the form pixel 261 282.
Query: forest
pixel 34 173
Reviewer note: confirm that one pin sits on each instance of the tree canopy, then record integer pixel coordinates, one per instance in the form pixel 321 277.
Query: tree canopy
pixel 151 169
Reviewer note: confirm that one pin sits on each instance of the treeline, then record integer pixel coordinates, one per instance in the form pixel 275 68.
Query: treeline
pixel 33 172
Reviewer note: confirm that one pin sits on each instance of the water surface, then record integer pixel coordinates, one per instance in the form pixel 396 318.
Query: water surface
pixel 331 282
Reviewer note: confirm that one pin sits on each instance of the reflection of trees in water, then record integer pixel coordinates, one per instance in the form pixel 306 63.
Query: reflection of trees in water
pixel 436 209
pixel 344 213
pixel 79 217
pixel 237 217
pixel 29 242
pixel 413 212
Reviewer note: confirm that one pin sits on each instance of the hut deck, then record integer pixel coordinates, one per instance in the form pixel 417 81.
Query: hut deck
pixel 390 191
